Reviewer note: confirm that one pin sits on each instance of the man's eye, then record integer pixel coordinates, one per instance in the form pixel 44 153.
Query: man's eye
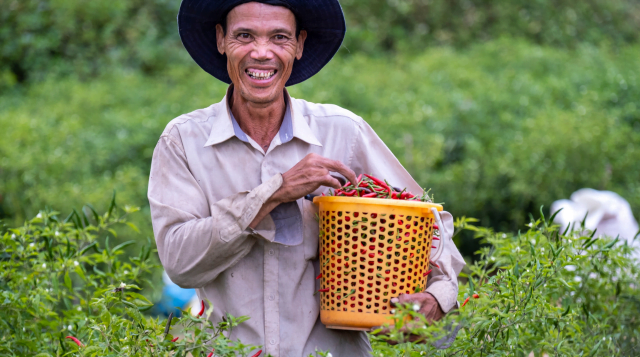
pixel 280 37
pixel 244 36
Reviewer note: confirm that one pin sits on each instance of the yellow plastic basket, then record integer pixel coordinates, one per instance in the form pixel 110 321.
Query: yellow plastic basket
pixel 370 251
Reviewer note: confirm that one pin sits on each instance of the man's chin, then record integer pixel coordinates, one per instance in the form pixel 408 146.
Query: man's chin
pixel 260 95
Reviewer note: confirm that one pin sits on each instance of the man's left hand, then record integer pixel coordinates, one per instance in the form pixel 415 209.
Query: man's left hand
pixel 428 306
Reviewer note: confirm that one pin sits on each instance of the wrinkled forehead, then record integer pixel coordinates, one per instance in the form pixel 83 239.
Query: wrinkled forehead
pixel 259 16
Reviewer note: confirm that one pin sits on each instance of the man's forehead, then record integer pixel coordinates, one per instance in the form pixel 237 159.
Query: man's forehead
pixel 254 14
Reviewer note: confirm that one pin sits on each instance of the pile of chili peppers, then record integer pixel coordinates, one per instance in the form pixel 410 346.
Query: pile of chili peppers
pixel 372 187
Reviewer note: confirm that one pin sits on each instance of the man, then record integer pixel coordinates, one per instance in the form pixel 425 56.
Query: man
pixel 227 182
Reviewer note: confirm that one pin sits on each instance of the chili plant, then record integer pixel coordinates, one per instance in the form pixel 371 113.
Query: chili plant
pixel 542 291
pixel 65 290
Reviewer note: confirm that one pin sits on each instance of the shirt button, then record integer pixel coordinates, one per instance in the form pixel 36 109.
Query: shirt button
pixel 271 297
pixel 273 341
pixel 271 252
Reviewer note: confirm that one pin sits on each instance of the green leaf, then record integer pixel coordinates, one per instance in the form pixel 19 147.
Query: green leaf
pixel 85 249
pixel 98 271
pixel 133 226
pixel 516 270
pixel 96 216
pixel 138 296
pixel 553 216
pixel 80 272
pixel 67 280
pixel 112 205
pixel 564 283
pixel 123 245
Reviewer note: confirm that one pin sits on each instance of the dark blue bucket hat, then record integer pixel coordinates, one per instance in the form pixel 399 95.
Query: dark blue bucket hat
pixel 322 19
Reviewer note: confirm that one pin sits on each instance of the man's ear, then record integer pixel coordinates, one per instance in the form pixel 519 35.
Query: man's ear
pixel 301 38
pixel 220 38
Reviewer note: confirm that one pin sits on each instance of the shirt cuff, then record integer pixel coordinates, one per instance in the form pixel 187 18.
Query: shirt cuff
pixel 446 297
pixel 266 229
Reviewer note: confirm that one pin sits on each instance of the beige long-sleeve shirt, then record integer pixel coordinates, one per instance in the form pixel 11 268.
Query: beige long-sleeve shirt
pixel 208 181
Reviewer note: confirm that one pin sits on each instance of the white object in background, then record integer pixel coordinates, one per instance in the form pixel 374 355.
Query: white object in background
pixel 609 213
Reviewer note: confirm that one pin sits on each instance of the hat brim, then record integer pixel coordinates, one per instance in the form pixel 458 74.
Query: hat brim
pixel 322 19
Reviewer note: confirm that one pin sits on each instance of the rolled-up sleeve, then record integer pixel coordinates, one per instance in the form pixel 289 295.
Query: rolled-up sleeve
pixel 443 282
pixel 197 240
pixel 371 156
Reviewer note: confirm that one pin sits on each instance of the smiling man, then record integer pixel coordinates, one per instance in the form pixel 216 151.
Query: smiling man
pixel 227 182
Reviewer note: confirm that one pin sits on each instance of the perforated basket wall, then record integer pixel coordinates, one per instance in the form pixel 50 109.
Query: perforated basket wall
pixel 370 251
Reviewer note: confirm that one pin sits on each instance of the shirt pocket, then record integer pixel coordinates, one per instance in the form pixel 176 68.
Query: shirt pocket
pixel 310 229
pixel 288 223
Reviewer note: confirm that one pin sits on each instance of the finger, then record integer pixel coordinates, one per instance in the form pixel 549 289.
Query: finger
pixel 330 181
pixel 340 179
pixel 410 298
pixel 337 166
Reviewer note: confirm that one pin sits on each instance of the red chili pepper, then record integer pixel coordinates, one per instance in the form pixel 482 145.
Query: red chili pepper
pixel 319 276
pixel 350 193
pixel 435 226
pixel 201 308
pixel 211 353
pixel 465 302
pixel 373 194
pixel 428 272
pixel 434 264
pixel 378 182
pixel 175 339
pixel 75 340
pixel 475 296
pixel 436 238
pixel 257 354
pixel 323 290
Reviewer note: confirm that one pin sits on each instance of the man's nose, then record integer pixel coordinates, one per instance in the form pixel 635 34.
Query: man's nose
pixel 262 51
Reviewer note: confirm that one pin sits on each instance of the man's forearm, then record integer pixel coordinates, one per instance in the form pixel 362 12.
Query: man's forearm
pixel 266 208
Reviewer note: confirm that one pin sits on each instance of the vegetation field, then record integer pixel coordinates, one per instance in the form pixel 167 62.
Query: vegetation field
pixel 495 130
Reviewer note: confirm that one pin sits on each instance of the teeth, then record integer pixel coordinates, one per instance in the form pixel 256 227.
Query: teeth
pixel 261 75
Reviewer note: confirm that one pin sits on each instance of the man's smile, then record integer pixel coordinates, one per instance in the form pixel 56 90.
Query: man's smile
pixel 261 74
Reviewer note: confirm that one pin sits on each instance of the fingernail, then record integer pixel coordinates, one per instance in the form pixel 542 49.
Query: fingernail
pixel 394 300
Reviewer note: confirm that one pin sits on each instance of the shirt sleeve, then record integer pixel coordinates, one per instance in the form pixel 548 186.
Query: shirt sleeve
pixel 371 156
pixel 196 240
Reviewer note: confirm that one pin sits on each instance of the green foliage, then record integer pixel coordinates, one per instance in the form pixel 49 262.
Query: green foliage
pixel 496 129
pixel 414 24
pixel 542 291
pixel 39 37
pixel 546 291
pixel 499 129
pixel 63 278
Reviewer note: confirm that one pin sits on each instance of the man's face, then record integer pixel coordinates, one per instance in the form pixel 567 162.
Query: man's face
pixel 261 46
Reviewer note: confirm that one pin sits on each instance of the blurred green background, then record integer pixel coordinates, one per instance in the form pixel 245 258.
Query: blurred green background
pixel 498 106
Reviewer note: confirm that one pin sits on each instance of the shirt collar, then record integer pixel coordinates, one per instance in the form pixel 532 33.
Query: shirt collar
pixel 294 124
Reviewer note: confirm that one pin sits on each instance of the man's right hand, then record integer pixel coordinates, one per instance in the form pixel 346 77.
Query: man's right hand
pixel 309 174
pixel 302 179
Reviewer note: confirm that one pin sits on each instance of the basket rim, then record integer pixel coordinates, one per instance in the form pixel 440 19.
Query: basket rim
pixel 376 202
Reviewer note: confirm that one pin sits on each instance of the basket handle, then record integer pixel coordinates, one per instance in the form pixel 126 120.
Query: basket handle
pixel 443 240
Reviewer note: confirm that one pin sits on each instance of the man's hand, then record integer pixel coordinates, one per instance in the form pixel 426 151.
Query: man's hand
pixel 302 179
pixel 428 306
pixel 309 174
